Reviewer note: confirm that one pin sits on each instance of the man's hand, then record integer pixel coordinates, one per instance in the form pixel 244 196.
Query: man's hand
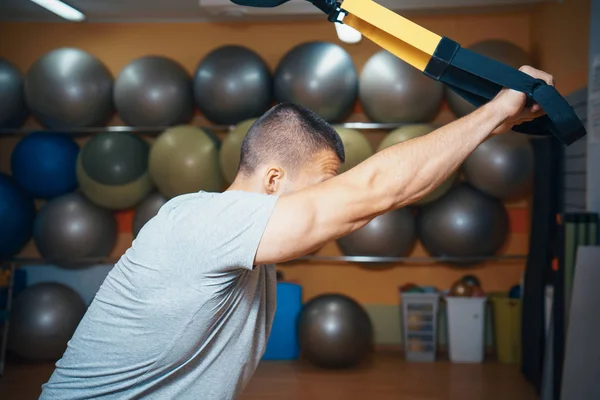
pixel 511 104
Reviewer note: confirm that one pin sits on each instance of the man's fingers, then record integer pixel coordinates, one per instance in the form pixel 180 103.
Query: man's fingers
pixel 538 74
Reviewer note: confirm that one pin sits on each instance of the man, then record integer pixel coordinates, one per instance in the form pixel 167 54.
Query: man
pixel 186 312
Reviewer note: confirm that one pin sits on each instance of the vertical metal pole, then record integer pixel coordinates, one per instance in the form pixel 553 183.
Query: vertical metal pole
pixel 11 283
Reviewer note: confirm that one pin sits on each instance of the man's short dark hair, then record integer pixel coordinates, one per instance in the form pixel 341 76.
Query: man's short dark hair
pixel 288 133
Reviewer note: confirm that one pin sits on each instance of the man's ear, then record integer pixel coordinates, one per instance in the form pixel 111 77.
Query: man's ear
pixel 273 179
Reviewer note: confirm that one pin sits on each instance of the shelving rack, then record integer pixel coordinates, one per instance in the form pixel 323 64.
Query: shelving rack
pixel 13 264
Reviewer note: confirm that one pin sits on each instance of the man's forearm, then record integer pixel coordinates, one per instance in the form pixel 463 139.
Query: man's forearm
pixel 408 171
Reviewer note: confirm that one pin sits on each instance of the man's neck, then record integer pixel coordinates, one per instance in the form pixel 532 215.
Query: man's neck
pixel 246 185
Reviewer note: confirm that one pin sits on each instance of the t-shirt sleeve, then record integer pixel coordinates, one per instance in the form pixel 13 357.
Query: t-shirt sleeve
pixel 225 231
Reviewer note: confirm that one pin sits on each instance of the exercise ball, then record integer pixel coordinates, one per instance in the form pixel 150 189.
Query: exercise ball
pixel 497 49
pixel 463 223
pixel 13 111
pixel 392 234
pixel 231 150
pixel 70 228
pixel 405 133
pixel 112 170
pixel 502 166
pixel 184 159
pixel 392 90
pixel 334 331
pixel 356 147
pixel 232 84
pixel 154 91
pixel 69 88
pixel 43 319
pixel 147 210
pixel 17 212
pixel 320 76
pixel 44 164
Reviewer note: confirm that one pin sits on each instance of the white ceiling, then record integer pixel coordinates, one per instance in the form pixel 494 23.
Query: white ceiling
pixel 191 10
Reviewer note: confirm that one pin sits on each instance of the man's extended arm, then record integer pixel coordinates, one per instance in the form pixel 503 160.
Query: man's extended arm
pixel 392 178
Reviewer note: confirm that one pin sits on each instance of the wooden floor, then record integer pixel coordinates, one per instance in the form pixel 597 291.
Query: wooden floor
pixel 386 377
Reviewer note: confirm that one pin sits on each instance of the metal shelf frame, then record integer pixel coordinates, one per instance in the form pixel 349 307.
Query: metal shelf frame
pixel 155 130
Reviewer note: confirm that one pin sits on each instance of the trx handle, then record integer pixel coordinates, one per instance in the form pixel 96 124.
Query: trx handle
pixel 478 79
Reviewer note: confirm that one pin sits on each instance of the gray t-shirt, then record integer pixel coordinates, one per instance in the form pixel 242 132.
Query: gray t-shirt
pixel 184 314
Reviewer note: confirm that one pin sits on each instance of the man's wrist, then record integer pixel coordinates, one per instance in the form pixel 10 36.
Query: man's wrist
pixel 494 115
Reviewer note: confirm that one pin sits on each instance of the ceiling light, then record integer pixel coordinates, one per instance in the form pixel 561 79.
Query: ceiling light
pixel 61 9
pixel 347 34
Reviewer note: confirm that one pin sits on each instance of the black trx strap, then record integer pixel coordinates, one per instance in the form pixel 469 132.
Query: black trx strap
pixel 478 79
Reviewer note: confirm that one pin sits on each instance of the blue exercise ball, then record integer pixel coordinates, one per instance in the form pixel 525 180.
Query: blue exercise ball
pixel 45 164
pixel 17 212
pixel 515 292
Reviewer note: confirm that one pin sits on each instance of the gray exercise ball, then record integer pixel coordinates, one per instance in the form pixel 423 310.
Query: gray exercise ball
pixel 335 331
pixel 497 49
pixel 392 234
pixel 44 317
pixel 70 228
pixel 69 88
pixel 392 90
pixel 463 223
pixel 13 111
pixel 502 166
pixel 232 84
pixel 146 211
pixel 154 91
pixel 320 76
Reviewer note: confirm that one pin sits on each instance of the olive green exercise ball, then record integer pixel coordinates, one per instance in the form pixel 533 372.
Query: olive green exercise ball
pixel 405 133
pixel 231 149
pixel 185 159
pixel 356 147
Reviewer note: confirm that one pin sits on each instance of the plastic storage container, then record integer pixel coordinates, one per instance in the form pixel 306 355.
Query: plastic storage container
pixel 283 342
pixel 507 328
pixel 466 328
pixel 419 325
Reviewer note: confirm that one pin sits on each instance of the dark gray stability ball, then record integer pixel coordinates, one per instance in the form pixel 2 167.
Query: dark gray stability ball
pixel 70 228
pixel 69 88
pixel 146 211
pixel 497 49
pixel 154 91
pixel 463 223
pixel 502 166
pixel 232 84
pixel 115 158
pixel 43 319
pixel 320 76
pixel 392 234
pixel 13 111
pixel 391 90
pixel 335 331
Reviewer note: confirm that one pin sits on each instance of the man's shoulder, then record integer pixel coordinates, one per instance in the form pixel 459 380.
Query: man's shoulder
pixel 214 204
